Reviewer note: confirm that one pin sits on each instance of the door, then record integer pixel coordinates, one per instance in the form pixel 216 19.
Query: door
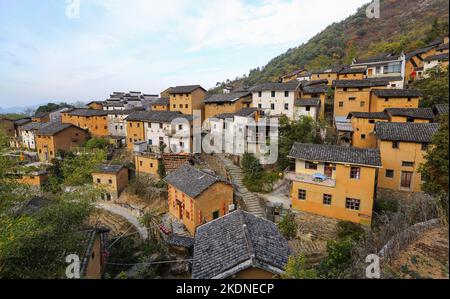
pixel 328 171
pixel 370 72
pixel 406 179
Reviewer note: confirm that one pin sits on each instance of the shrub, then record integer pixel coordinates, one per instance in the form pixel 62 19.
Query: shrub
pixel 349 229
pixel 296 268
pixel 386 205
pixel 338 258
pixel 251 165
pixel 288 226
pixel 100 143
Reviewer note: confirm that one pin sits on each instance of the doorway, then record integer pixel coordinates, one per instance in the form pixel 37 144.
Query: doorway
pixel 406 180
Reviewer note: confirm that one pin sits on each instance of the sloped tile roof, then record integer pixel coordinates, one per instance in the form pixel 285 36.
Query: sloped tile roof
pixel 307 102
pixel 348 70
pixel 192 181
pixel 378 58
pixel 407 132
pixel 235 242
pixel 336 154
pixel 226 97
pixel 88 112
pixel 368 115
pixel 104 168
pixel 397 93
pixel 437 57
pixel 161 101
pixel 421 113
pixel 441 109
pixel 40 114
pixel 288 86
pixel 33 126
pixel 361 83
pixel 185 89
pixel 157 116
pixel 54 128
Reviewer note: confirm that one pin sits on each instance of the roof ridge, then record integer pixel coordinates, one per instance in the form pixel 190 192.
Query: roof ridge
pixel 249 243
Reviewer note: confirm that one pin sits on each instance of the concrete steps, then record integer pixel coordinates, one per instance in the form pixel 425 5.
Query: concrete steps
pixel 251 201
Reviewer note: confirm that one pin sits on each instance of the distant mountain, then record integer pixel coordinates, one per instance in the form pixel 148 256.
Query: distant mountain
pixel 404 25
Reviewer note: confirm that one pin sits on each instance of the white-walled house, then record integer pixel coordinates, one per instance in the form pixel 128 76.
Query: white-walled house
pixel 434 61
pixel 275 99
pixel 307 107
pixel 28 134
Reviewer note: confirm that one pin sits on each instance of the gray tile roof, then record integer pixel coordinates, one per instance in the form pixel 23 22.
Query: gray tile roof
pixel 88 112
pixel 185 89
pixel 33 126
pixel 192 181
pixel 40 114
pixel 307 102
pixel 397 93
pixel 348 70
pixel 288 86
pixel 360 83
pixel 407 132
pixel 388 78
pixel 246 111
pixel 54 128
pixel 336 154
pixel 180 241
pixel 226 97
pixel 442 47
pixel 441 109
pixel 437 57
pixel 157 116
pixel 161 101
pixel 368 115
pixel 315 89
pixel 22 121
pixel 421 113
pixel 104 168
pixel 235 242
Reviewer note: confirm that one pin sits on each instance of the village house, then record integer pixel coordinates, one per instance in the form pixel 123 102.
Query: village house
pixel 55 116
pixel 403 147
pixel 34 179
pixel 7 126
pixel 354 95
pixel 414 68
pixel 226 103
pixel 196 197
pixel 15 139
pixel 112 178
pixel 348 73
pixel 172 130
pixel 96 105
pixel 383 65
pixel 162 104
pixel 28 134
pixel 363 127
pixel 57 136
pixel 165 93
pixel 94 121
pixel 117 125
pixel 239 246
pixel 334 181
pixel 330 74
pixel 313 90
pixel 410 115
pixel 440 60
pixel 41 117
pixel 299 75
pixel 147 163
pixel 275 99
pixel 307 107
pixel 95 253
pixel 186 99
pixel 382 99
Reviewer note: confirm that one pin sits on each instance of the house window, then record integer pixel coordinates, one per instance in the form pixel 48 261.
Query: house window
pixel 363 136
pixel 394 144
pixel 286 94
pixel 186 106
pixel 355 173
pixel 352 204
pixel 371 121
pixel 286 106
pixel 216 214
pixel 272 94
pixel 327 198
pixel 341 104
pixel 174 106
pixel 110 182
pixel 407 164
pixel 188 216
pixel 99 181
pixel 386 99
pixel 351 98
pixel 259 94
pixel 308 108
pixel 310 165
pixel 301 194
pixel 140 163
pixel 260 106
pixel 180 127
pixel 272 106
pixel 131 125
pixel 151 165
pixel 425 147
pixel 410 120
pixel 389 173
pixel 362 104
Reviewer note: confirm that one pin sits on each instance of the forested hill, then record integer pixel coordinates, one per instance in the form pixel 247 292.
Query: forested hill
pixel 404 25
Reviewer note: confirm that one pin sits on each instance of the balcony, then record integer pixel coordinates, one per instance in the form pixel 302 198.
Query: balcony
pixel 309 179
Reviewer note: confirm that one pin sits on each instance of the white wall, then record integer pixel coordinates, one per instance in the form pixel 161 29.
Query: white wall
pixel 279 102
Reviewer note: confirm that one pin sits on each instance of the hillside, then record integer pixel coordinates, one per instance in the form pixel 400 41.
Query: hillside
pixel 404 25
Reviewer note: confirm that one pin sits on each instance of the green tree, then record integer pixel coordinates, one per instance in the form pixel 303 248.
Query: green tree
pixel 288 226
pixel 303 130
pixel 296 268
pixel 338 258
pixel 435 88
pixel 100 143
pixel 251 165
pixel 435 170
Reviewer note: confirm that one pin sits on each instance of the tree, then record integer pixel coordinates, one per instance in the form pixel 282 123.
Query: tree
pixel 288 226
pixel 50 107
pixel 435 88
pixel 100 143
pixel 303 130
pixel 161 169
pixel 435 170
pixel 251 165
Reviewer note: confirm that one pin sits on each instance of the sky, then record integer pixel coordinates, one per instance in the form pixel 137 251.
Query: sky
pixel 52 51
